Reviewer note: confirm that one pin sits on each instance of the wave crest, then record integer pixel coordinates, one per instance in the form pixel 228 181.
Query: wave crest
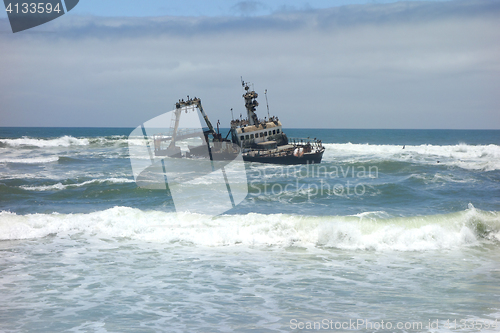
pixel 368 232
pixel 470 157
pixel 61 186
pixel 64 141
pixel 32 160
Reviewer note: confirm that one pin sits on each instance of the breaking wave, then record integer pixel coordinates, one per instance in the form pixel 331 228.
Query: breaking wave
pixel 470 157
pixel 370 231
pixel 32 160
pixel 64 141
pixel 61 186
pixel 68 141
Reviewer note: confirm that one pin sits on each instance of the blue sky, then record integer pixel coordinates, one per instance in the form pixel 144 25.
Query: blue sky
pixel 134 8
pixel 199 7
pixel 421 64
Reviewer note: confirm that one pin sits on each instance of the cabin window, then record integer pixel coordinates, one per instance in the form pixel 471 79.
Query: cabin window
pixel 242 137
pixel 246 137
pixel 278 131
pixel 251 136
pixel 265 133
pixel 261 134
pixel 270 133
pixel 274 131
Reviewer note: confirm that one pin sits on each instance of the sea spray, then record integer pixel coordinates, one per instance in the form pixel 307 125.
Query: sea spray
pixel 418 233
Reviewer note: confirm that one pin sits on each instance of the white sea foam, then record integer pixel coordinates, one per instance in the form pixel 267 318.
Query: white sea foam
pixel 471 157
pixel 60 186
pixel 30 160
pixel 442 178
pixel 362 232
pixel 133 141
pixel 64 141
pixel 117 140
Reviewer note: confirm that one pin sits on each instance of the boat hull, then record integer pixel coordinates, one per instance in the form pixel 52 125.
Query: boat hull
pixel 308 158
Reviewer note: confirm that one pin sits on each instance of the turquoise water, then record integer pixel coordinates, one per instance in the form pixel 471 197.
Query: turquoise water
pixel 375 232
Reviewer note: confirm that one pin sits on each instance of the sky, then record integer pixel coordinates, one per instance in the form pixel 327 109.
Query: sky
pixel 325 64
pixel 134 8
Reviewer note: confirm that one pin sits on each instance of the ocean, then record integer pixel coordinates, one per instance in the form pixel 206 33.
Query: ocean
pixel 394 231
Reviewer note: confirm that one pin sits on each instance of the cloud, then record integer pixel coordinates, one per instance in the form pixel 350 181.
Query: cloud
pixel 247 8
pixel 401 65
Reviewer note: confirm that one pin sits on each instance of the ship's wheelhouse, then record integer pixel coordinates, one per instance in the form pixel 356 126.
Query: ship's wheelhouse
pixel 251 135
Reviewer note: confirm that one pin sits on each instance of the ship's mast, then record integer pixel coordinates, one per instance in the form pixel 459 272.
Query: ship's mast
pixel 267 103
pixel 250 103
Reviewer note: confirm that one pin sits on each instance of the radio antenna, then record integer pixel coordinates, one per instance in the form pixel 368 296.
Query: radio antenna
pixel 268 116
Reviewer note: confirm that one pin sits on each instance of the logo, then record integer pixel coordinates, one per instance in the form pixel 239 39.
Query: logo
pixel 203 171
pixel 24 14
